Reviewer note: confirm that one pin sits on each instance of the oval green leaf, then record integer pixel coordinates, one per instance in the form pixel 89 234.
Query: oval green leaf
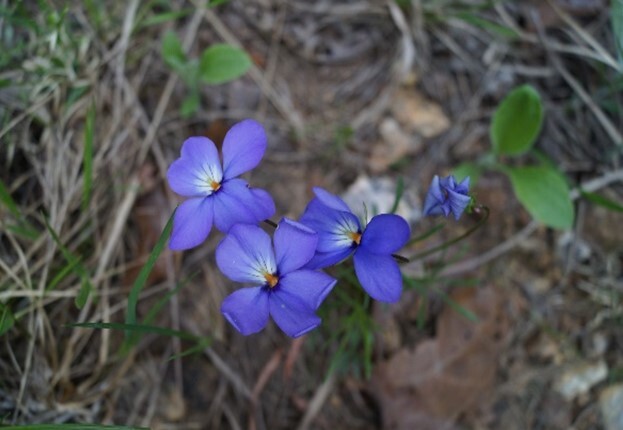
pixel 517 121
pixel 544 193
pixel 173 52
pixel 222 63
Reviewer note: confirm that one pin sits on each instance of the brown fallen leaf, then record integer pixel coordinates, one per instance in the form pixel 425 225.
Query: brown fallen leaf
pixel 418 114
pixel 429 387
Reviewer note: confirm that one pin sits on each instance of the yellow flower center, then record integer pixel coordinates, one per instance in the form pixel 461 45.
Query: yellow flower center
pixel 271 280
pixel 214 185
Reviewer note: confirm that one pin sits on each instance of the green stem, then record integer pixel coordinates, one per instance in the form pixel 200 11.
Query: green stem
pixel 478 209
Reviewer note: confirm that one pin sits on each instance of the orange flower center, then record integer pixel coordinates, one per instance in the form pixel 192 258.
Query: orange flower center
pixel 355 237
pixel 215 185
pixel 271 279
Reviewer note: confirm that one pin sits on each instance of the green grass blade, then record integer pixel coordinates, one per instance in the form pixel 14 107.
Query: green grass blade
pixel 141 328
pixel 24 230
pixel 400 187
pixel 6 318
pixel 203 344
pixel 76 266
pixel 600 200
pixel 87 162
pixel 83 294
pixel 7 200
pixel 69 267
pixel 457 307
pixel 141 279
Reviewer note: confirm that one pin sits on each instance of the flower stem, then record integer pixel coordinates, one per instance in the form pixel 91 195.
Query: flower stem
pixel 481 210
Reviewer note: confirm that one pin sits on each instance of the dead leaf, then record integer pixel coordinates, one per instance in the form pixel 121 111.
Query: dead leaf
pixel 150 217
pixel 444 377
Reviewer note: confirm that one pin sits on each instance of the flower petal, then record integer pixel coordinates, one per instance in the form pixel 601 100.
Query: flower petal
pixel 294 316
pixel 326 259
pixel 333 226
pixel 309 286
pixel 379 275
pixel 263 206
pixel 199 166
pixel 458 203
pixel 243 147
pixel 295 245
pixel 235 203
pixel 247 309
pixel 385 233
pixel 434 198
pixel 192 223
pixel 246 255
pixel 463 187
pixel 331 200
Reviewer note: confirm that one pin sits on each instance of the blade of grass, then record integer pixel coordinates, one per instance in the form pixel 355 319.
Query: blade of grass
pixel 69 267
pixel 400 187
pixel 193 350
pixel 87 162
pixel 141 328
pixel 7 200
pixel 141 279
pixel 76 265
pixel 6 318
pixel 600 200
pixel 70 427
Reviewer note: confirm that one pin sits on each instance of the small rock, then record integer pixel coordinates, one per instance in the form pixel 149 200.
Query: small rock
pixel 611 405
pixel 378 195
pixel 580 378
pixel 420 115
pixel 396 144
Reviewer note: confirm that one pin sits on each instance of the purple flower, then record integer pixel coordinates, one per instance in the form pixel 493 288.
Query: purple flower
pixel 340 235
pixel 217 196
pixel 283 288
pixel 445 196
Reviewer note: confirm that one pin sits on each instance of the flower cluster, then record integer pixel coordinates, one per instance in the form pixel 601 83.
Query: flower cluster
pixel 285 275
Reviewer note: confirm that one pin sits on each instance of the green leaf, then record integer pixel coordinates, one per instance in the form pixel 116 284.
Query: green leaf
pixel 544 193
pixel 173 52
pixel 616 14
pixel 517 121
pixel 464 170
pixel 602 201
pixel 7 320
pixel 222 63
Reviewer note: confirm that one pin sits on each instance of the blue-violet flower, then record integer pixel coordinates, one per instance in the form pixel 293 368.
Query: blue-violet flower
pixel 283 289
pixel 340 235
pixel 445 196
pixel 217 196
